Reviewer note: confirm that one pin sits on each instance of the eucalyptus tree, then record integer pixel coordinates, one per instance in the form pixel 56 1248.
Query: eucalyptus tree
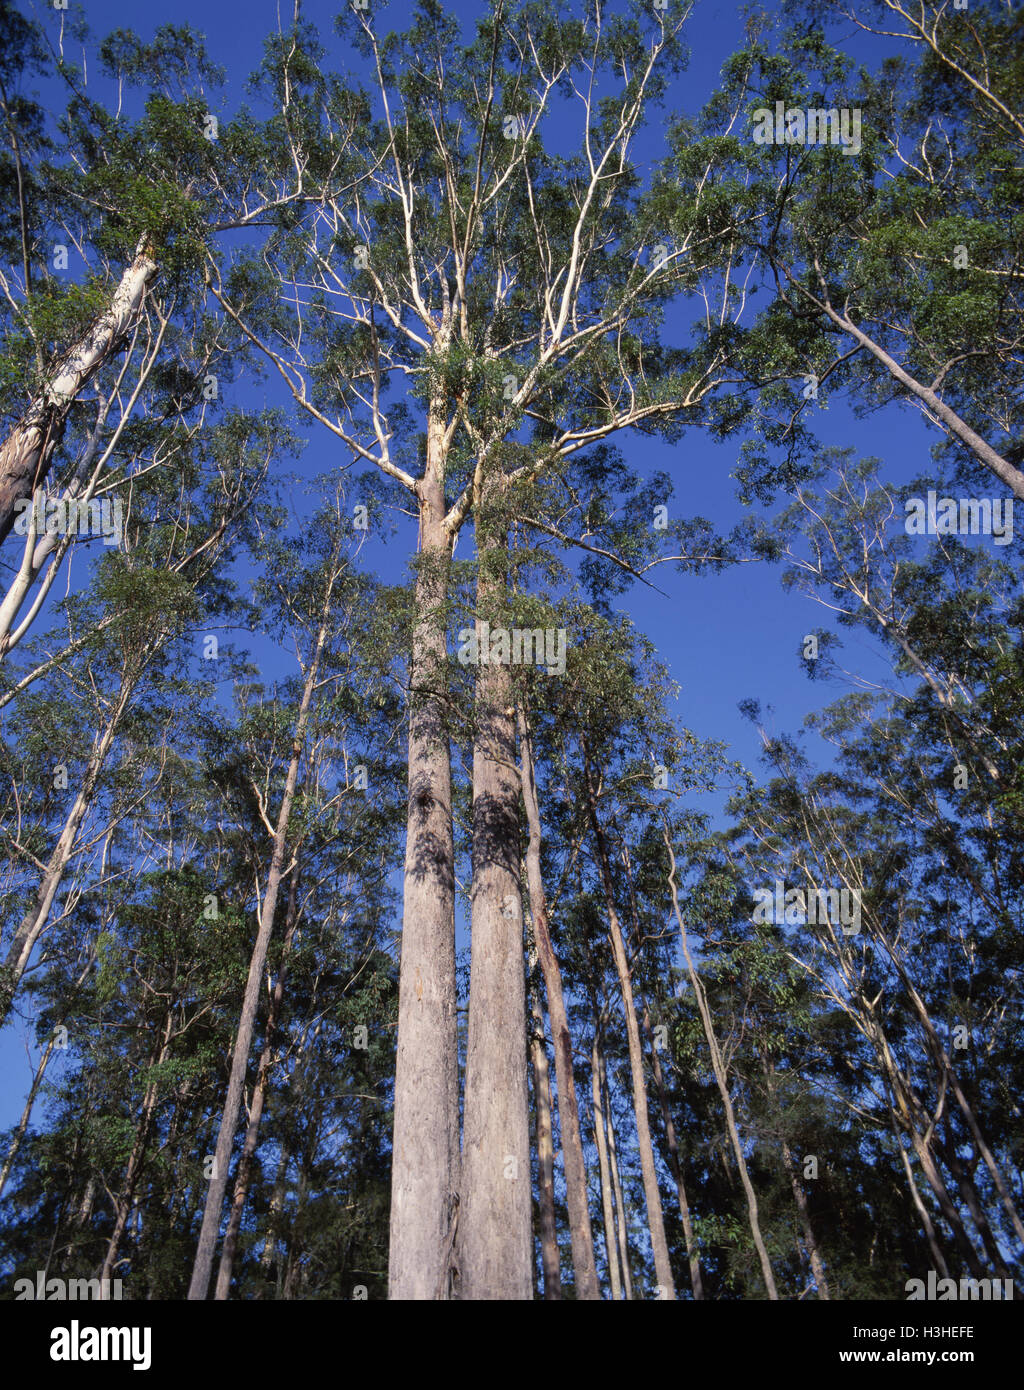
pixel 127 628
pixel 113 362
pixel 454 287
pixel 920 823
pixel 324 606
pixel 611 699
pixel 884 216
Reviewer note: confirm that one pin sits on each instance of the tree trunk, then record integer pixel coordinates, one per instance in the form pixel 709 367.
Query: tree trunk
pixel 245 1162
pixel 965 1245
pixel 37 1081
pixel 601 1139
pixel 972 1200
pixel 910 1115
pixel 494 1238
pixel 945 1064
pixel 674 1164
pixel 718 1066
pixel 34 922
pixel 584 1266
pixel 240 1056
pixel 85 1206
pixel 927 1225
pixel 652 1194
pixel 27 452
pixel 1005 471
pixel 810 1244
pixel 26 1114
pixel 425 1146
pixel 621 1228
pixel 545 1155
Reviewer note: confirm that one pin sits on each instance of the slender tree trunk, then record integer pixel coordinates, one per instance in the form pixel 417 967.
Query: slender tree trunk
pixel 652 1194
pixel 293 1275
pixel 907 1110
pixel 494 1237
pixel 601 1139
pixel 425 1161
pixel 947 417
pixel 581 1235
pixel 37 1081
pixel 621 1226
pixel 274 1229
pixel 810 1244
pixel 174 1148
pixel 721 1079
pixel 245 1162
pixel 969 1193
pixel 293 1265
pixel 545 1155
pixel 26 1114
pixel 85 1206
pixel 799 1195
pixel 949 1077
pixel 33 924
pixel 84 1211
pixel 240 1056
pixel 945 1064
pixel 927 1225
pixel 929 1167
pixel 674 1164
pixel 26 453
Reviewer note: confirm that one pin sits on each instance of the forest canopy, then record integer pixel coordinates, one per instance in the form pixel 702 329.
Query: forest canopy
pixel 511 667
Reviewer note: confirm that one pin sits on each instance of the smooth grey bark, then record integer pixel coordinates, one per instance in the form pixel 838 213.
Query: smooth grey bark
pixel 675 1166
pixel 574 1165
pixel 621 1228
pixel 545 1154
pixel 604 1168
pixel 953 423
pixel 33 924
pixel 674 1163
pixel 810 1242
pixel 494 1236
pixel 243 1177
pixel 425 1146
pixel 27 452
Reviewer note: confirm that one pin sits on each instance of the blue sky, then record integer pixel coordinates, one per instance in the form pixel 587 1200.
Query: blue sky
pixel 723 637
